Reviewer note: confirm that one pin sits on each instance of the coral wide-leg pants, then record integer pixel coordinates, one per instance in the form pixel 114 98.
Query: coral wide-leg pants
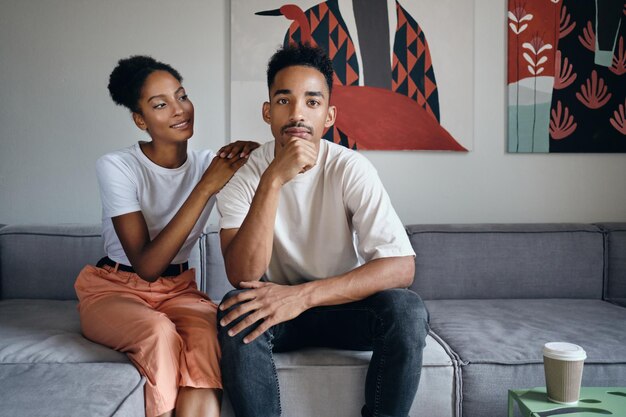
pixel 167 328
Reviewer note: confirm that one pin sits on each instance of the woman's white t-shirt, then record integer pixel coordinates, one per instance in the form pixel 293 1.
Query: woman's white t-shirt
pixel 131 182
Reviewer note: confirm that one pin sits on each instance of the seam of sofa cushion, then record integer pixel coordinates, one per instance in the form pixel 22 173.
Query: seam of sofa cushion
pixel 139 386
pixel 533 362
pixel 605 267
pixel 503 232
pixel 457 372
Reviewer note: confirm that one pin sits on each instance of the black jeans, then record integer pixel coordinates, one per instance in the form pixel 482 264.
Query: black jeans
pixel 392 323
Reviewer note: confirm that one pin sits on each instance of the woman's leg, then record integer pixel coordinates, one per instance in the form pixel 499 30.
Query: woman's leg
pixel 194 402
pixel 200 379
pixel 125 321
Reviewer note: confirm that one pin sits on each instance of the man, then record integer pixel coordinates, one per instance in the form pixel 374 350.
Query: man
pixel 313 219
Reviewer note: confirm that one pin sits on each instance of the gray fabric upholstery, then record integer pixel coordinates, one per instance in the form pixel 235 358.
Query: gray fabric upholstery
pixel 34 331
pixel 508 261
pixel 616 245
pixel 47 368
pixel 495 294
pixel 71 390
pixel 42 261
pixel 499 344
pixel 216 285
pixel 325 374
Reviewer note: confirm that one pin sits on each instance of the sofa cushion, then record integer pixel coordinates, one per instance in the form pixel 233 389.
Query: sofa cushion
pixel 71 390
pixel 43 261
pixel 508 261
pixel 216 283
pixel 615 291
pixel 499 343
pixel 47 331
pixel 326 382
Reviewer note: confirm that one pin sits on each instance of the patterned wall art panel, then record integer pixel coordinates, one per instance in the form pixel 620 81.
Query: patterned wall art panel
pixel 403 69
pixel 567 76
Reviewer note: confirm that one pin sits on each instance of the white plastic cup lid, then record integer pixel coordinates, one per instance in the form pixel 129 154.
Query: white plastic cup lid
pixel 564 351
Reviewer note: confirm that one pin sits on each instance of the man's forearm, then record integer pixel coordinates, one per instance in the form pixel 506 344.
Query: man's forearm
pixel 362 282
pixel 270 303
pixel 247 255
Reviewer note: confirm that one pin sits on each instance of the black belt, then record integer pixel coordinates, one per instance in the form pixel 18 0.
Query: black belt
pixel 170 271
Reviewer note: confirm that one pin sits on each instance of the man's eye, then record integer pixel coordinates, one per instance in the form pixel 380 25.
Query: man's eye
pixel 282 101
pixel 313 103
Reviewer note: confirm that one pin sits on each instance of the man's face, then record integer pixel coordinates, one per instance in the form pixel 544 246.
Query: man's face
pixel 298 106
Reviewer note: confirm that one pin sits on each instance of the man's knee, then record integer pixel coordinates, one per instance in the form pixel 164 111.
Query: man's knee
pixel 224 338
pixel 220 313
pixel 405 312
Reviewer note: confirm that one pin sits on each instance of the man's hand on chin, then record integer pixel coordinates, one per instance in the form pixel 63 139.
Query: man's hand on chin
pixel 296 156
pixel 267 303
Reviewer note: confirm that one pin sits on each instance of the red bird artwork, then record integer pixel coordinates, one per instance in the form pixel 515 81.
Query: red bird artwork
pixel 397 105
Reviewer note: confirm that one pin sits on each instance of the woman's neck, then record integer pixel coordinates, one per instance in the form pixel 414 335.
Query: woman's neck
pixel 166 155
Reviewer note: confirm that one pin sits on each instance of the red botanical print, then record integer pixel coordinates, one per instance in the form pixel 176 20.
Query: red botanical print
pixel 618 121
pixel 619 59
pixel 594 93
pixel 588 40
pixel 564 26
pixel 562 123
pixel 564 75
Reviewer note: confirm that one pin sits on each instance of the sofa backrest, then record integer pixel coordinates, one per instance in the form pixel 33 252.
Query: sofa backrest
pixel 508 261
pixel 214 282
pixel 42 261
pixel 452 262
pixel 615 290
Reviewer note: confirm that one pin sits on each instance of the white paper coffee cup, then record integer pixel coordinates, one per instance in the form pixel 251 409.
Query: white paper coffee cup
pixel 563 366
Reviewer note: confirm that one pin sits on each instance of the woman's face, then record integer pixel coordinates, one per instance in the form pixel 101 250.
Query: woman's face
pixel 166 111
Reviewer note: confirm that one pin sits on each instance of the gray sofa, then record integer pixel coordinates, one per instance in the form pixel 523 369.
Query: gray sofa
pixel 495 293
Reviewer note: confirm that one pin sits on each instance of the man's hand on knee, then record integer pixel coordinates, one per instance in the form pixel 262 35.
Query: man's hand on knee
pixel 267 303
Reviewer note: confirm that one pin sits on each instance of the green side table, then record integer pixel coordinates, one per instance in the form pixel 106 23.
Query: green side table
pixel 594 402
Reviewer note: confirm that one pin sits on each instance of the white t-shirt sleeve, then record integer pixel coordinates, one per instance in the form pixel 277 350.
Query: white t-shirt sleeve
pixel 379 231
pixel 233 201
pixel 118 187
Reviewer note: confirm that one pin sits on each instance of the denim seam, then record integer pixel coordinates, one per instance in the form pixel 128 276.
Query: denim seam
pixel 270 346
pixel 380 367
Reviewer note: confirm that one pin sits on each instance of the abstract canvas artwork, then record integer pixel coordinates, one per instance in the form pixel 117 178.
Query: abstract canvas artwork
pixel 566 76
pixel 402 80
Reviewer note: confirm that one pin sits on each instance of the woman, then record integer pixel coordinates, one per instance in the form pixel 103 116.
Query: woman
pixel 141 298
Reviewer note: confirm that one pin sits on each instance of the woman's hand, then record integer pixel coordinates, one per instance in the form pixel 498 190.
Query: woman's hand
pixel 221 170
pixel 239 148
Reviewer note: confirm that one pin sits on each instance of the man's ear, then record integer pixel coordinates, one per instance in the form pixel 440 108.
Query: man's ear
pixel 331 116
pixel 266 112
pixel 139 121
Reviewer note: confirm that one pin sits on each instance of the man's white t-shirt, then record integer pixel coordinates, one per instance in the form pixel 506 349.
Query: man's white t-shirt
pixel 129 182
pixel 330 219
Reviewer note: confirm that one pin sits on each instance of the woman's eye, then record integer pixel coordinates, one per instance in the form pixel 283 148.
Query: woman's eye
pixel 158 106
pixel 184 97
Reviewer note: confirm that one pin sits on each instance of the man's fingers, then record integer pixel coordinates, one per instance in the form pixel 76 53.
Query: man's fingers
pixel 238 311
pixel 262 328
pixel 239 298
pixel 247 322
pixel 252 284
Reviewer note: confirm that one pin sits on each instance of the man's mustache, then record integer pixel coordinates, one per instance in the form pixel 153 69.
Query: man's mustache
pixel 298 125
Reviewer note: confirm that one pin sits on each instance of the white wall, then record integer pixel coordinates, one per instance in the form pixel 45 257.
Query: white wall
pixel 56 118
